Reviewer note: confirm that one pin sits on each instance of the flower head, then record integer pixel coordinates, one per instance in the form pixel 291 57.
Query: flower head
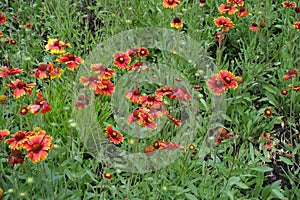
pixel 216 84
pixel 176 23
pixel 82 101
pixel 161 145
pixel 171 3
pixel 18 139
pixel 228 79
pixel 38 147
pixel 148 150
pixel 104 72
pixel 291 73
pixel 219 36
pixel 56 46
pixel 2 19
pixel 296 25
pixel 121 60
pixel 107 175
pixel 284 92
pixel 266 139
pixel 243 12
pixel 236 2
pixel 134 96
pixel 105 87
pixel 5 71
pixel 40 105
pixel 295 88
pixel 3 134
pixel 142 52
pixel 268 112
pixel 16 157
pixel 114 136
pixel 71 60
pixel 143 116
pixel 224 22
pixel 20 87
pixel 253 27
pixel 45 71
pixel 91 81
pixel 227 8
pixel 23 110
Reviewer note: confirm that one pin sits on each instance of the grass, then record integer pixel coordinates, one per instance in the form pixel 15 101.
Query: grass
pixel 238 168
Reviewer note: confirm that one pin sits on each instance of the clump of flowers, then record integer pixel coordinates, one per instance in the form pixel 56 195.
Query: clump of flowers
pixel 45 71
pixel 40 105
pixel 236 2
pixel 289 4
pixel 223 8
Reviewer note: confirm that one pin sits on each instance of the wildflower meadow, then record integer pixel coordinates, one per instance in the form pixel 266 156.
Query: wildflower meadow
pixel 149 100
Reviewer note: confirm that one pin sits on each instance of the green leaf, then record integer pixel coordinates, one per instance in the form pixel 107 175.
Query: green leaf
pixel 262 169
pixel 278 194
pixel 190 196
pixel 242 185
pixel 286 160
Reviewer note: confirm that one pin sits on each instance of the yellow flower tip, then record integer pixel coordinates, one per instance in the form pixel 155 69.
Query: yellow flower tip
pixel 73 124
pixel 29 180
pixel 22 194
pixel 10 190
pixel 174 52
pixel 55 146
pixel 192 147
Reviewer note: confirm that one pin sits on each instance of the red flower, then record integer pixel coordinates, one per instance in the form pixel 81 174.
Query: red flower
pixel 216 84
pixel 151 101
pixel 236 2
pixel 295 88
pixel 121 60
pixel 24 110
pixel 38 147
pixel 41 104
pixel 221 134
pixel 171 3
pixel 3 134
pixel 28 25
pixel 114 136
pixel 142 115
pixel 142 52
pixel 148 150
pixel 138 67
pixel 228 79
pixel 104 72
pixel 268 112
pixel 224 22
pixel 18 139
pixel 176 121
pixel 176 23
pixel 166 145
pixel 91 81
pixel 227 8
pixel 132 51
pixel 291 73
pixel 16 157
pixel 83 100
pixel 289 4
pixel 5 71
pixel 243 12
pixel 253 27
pixel 104 87
pixel 107 175
pixel 45 71
pixel 56 47
pixel 202 3
pixel 284 92
pixel 2 19
pixel 71 60
pixel 266 139
pixel 297 25
pixel 19 87
pixel 134 96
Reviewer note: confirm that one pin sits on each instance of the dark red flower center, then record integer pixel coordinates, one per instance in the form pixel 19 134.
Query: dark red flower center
pixel 71 57
pixel 21 84
pixel 11 71
pixel 136 91
pixel 227 79
pixel 37 147
pixel 177 20
pixel 19 136
pixel 114 134
pixel 56 43
pixel 170 1
pixel 242 9
pixel 42 67
pixel 227 7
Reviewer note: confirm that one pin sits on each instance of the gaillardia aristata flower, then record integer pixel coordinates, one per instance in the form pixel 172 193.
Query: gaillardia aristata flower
pixel 224 22
pixel 71 60
pixel 5 71
pixel 171 3
pixel 289 4
pixel 253 27
pixel 2 19
pixel 294 87
pixel 104 72
pixel 134 96
pixel 107 175
pixel 16 157
pixel 227 8
pixel 91 81
pixel 291 73
pixel 236 2
pixel 38 147
pixel 142 52
pixel 176 23
pixel 114 136
pixel 40 105
pixel 18 139
pixel 296 25
pixel 228 79
pixel 268 112
pixel 19 87
pixel 45 71
pixel 243 12
pixel 56 46
pixel 3 134
pixel 121 60
pixel 216 84
pixel 104 87
pixel 143 117
pixel 266 139
pixel 161 145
